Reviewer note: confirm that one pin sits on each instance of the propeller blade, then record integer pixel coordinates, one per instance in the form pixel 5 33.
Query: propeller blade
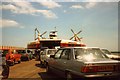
pixel 71 37
pixel 35 29
pixel 79 38
pixel 42 37
pixel 72 31
pixel 79 32
pixel 43 33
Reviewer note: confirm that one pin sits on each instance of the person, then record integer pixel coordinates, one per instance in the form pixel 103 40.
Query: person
pixel 37 54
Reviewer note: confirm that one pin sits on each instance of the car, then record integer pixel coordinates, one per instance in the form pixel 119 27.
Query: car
pixel 116 55
pixel 111 55
pixel 13 57
pixel 26 55
pixel 4 70
pixel 45 55
pixel 83 63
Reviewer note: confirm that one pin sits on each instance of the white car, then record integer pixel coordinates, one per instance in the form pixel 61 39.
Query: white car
pixel 45 55
pixel 110 55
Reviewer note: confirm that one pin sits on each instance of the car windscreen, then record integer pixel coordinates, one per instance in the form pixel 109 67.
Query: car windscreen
pixel 21 51
pixel 92 53
pixel 106 51
pixel 51 52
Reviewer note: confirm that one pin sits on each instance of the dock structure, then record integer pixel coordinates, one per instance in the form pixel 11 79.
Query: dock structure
pixel 9 49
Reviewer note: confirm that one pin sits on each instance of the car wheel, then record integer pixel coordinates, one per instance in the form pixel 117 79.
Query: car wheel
pixel 68 76
pixel 5 72
pixel 47 69
pixel 13 63
pixel 28 58
pixel 41 63
pixel 31 57
pixel 19 61
pixel 45 64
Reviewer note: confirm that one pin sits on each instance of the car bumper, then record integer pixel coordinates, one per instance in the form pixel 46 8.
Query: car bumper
pixel 24 58
pixel 9 61
pixel 116 58
pixel 98 76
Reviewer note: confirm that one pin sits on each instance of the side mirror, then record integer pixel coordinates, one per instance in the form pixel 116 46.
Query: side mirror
pixel 52 56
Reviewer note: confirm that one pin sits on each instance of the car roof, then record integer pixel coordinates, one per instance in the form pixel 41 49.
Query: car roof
pixel 50 49
pixel 104 48
pixel 79 47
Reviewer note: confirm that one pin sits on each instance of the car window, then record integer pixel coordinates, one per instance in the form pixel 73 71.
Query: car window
pixel 106 51
pixel 65 54
pixel 51 52
pixel 89 53
pixel 57 55
pixel 21 51
pixel 28 51
pixel 5 52
pixel 42 52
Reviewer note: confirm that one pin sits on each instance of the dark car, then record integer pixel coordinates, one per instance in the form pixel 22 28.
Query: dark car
pixel 4 68
pixel 26 55
pixel 83 63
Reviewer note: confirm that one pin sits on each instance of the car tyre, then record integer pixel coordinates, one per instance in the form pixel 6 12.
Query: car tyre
pixel 47 69
pixel 68 76
pixel 19 61
pixel 13 63
pixel 28 58
pixel 5 72
pixel 41 64
pixel 45 64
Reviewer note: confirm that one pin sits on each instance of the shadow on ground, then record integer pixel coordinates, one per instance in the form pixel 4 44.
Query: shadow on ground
pixel 46 76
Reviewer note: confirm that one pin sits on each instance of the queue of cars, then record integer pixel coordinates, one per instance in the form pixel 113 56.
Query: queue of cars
pixel 83 62
pixel 71 62
pixel 16 56
pixel 7 59
pixel 26 55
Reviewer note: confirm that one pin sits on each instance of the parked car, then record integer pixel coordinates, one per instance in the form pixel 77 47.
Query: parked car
pixel 13 57
pixel 110 55
pixel 4 68
pixel 45 55
pixel 26 55
pixel 83 62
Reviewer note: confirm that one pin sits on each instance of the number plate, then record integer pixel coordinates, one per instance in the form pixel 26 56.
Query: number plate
pixel 105 68
pixel 117 68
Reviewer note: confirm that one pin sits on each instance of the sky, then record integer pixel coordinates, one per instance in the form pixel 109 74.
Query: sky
pixel 98 21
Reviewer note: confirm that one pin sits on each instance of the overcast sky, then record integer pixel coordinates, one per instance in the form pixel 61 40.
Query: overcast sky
pixel 97 20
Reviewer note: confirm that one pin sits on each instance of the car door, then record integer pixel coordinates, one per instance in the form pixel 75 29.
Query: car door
pixel 63 62
pixel 54 62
